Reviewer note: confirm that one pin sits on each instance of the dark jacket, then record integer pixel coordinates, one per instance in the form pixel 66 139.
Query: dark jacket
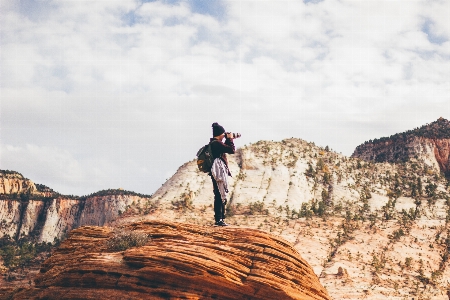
pixel 219 148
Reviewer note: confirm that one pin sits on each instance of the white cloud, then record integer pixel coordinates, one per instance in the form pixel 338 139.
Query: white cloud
pixel 126 91
pixel 47 164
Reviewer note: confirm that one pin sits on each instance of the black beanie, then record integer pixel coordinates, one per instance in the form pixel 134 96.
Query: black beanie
pixel 217 129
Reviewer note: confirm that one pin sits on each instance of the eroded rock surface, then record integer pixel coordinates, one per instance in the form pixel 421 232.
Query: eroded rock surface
pixel 433 152
pixel 54 218
pixel 180 261
pixel 13 182
pixel 430 143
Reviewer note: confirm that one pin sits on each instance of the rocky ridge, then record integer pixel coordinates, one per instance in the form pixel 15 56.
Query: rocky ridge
pixel 39 213
pixel 429 143
pixel 179 261
pixel 12 182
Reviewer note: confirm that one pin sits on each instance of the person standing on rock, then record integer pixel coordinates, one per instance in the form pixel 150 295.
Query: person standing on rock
pixel 220 171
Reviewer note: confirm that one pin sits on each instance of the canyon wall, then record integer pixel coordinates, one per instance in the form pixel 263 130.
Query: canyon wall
pixel 46 215
pixel 433 152
pixel 12 182
pixel 429 144
pixel 54 218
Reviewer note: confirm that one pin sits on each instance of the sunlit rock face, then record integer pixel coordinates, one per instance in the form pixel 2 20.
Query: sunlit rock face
pixel 429 143
pixel 14 183
pixel 434 153
pixel 34 210
pixel 54 218
pixel 179 261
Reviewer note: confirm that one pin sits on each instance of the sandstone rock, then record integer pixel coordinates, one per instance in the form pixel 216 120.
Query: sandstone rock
pixel 99 210
pixel 180 261
pixel 272 172
pixel 50 218
pixel 434 153
pixel 430 143
pixel 9 217
pixel 13 182
pixel 442 154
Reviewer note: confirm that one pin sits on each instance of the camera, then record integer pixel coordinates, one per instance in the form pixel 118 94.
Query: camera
pixel 233 135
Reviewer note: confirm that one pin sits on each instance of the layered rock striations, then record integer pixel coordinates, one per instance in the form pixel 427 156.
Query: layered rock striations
pixel 179 261
pixel 430 143
pixel 56 217
pixel 12 182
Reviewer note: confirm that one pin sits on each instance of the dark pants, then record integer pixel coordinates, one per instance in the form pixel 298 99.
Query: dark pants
pixel 219 207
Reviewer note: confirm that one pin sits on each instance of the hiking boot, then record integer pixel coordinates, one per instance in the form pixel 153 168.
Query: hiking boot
pixel 221 223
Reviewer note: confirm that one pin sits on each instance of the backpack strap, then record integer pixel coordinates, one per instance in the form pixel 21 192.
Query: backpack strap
pixel 210 146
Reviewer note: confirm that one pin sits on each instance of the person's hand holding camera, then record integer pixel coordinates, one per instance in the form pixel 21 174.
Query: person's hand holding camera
pixel 231 135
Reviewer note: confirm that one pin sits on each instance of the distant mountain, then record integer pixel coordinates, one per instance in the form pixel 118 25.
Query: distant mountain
pixel 429 143
pixel 369 229
pixel 12 182
pixel 439 129
pixel 37 212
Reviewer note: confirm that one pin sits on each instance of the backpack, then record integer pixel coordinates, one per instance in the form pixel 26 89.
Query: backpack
pixel 205 158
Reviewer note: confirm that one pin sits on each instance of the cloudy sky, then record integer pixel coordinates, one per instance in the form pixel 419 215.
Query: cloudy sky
pixel 109 94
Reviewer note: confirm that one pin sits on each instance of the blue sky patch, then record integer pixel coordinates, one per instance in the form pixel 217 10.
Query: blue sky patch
pixel 35 10
pixel 129 18
pixel 312 1
pixel 207 7
pixel 214 8
pixel 433 38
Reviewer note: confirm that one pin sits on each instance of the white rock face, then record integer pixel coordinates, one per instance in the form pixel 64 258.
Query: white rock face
pixel 54 218
pixel 377 201
pixel 9 217
pixel 274 173
pixel 425 149
pixel 405 203
pixel 101 210
pixel 29 219
pixel 61 217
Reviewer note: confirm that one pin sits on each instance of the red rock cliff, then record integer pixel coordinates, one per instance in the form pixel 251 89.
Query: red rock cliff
pixel 434 152
pixel 442 154
pixel 431 143
pixel 180 261
pixel 28 209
